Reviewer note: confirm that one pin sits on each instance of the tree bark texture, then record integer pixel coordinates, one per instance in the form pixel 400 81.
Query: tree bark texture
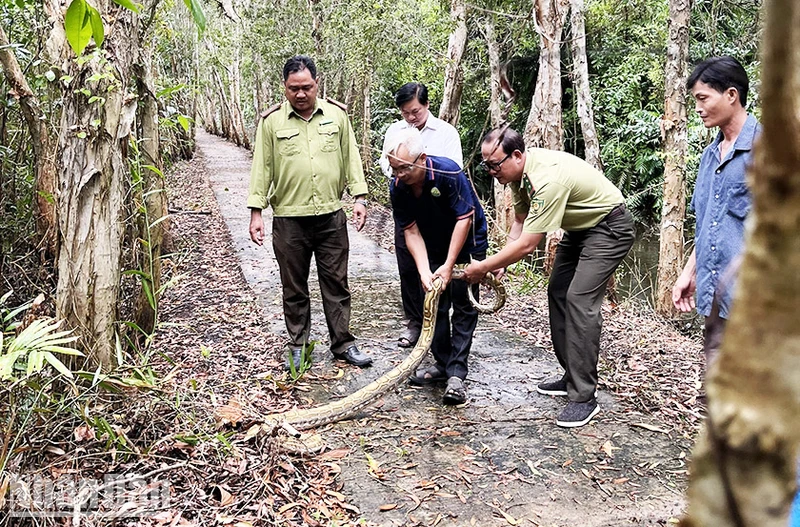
pixel 93 176
pixel 236 103
pixel 743 468
pixel 366 121
pixel 673 211
pixel 152 193
pixel 504 210
pixel 580 73
pixel 450 109
pixel 43 144
pixel 544 127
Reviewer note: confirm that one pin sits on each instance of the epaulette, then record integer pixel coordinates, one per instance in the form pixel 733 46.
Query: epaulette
pixel 334 102
pixel 272 109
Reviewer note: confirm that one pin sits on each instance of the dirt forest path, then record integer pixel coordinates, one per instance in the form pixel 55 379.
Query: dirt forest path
pixel 500 459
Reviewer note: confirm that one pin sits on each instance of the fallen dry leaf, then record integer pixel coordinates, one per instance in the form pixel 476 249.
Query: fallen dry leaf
pixel 83 433
pixel 387 507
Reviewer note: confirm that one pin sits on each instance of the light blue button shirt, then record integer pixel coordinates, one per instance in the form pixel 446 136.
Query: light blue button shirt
pixel 721 202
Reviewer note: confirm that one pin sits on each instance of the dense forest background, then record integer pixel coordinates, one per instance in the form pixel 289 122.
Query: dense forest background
pixel 222 69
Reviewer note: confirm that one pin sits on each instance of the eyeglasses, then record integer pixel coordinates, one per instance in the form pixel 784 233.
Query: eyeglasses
pixel 405 169
pixel 493 166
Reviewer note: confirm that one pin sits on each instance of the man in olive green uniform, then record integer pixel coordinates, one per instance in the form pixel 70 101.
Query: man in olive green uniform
pixel 305 154
pixel 554 190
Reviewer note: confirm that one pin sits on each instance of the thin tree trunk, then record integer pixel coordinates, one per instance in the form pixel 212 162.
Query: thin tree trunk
pixel 582 90
pixel 151 226
pixel 93 175
pixel 744 466
pixel 316 34
pixel 504 211
pixel 236 103
pixel 226 114
pixel 673 210
pixel 544 127
pixel 453 74
pixel 43 143
pixel 366 121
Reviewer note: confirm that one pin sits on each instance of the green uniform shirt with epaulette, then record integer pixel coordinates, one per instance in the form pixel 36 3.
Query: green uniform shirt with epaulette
pixel 559 190
pixel 301 168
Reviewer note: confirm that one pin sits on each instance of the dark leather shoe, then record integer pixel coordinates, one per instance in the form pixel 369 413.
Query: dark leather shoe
pixel 355 357
pixel 296 356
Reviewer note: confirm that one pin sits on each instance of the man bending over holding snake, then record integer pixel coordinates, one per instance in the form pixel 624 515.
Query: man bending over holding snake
pixel 443 224
pixel 554 190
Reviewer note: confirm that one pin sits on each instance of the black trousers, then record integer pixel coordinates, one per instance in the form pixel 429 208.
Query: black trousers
pixel 410 286
pixel 452 336
pixel 585 260
pixel 295 240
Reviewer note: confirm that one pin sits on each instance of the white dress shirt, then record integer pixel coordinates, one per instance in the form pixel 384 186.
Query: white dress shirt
pixel 439 138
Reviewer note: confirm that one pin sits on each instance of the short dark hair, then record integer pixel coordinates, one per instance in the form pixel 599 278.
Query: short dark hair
pixel 299 63
pixel 507 137
pixel 410 91
pixel 721 73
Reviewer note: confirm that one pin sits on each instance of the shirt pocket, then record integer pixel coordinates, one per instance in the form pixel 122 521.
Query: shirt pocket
pixel 739 201
pixel 329 137
pixel 288 141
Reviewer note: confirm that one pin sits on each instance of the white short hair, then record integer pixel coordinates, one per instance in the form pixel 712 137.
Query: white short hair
pixel 411 138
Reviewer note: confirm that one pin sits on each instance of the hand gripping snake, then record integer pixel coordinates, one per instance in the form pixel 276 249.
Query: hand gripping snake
pixel 306 418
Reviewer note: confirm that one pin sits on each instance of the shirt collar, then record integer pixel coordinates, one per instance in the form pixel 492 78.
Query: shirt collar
pixel 748 134
pixel 317 108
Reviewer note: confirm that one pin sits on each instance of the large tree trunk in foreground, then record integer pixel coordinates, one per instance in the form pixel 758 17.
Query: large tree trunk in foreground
pixel 43 143
pixel 93 177
pixel 743 467
pixel 673 210
pixel 453 74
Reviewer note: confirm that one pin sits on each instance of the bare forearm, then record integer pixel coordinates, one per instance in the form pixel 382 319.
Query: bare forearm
pixel 460 233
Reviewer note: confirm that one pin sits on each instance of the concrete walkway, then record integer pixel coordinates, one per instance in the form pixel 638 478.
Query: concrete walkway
pixel 499 460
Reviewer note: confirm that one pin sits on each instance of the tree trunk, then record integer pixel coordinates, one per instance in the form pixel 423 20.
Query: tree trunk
pixel 544 127
pixel 743 467
pixel 226 115
pixel 503 208
pixel 151 226
pixel 673 211
pixel 316 33
pixel 93 174
pixel 236 103
pixel 581 81
pixel 453 75
pixel 366 121
pixel 43 143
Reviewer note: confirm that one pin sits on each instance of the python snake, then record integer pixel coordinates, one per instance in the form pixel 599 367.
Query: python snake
pixel 306 418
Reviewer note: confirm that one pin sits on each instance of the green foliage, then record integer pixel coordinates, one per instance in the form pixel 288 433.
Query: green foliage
pixel 24 353
pixel 296 371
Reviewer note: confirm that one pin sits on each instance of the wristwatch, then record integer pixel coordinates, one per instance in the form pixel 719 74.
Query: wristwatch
pixel 361 201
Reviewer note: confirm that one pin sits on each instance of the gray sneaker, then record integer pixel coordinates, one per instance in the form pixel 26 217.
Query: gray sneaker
pixel 577 414
pixel 558 387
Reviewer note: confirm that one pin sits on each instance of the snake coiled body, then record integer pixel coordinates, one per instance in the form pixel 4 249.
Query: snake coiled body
pixel 306 418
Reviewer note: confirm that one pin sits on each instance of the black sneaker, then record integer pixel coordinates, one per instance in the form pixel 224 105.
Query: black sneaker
pixel 558 387
pixel 577 414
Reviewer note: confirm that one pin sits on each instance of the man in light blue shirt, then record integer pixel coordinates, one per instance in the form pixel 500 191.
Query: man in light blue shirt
pixel 721 199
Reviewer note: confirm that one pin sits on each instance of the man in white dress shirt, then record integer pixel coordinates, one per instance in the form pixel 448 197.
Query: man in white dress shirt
pixel 441 139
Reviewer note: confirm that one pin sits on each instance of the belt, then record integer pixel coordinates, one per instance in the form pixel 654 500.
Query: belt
pixel 616 212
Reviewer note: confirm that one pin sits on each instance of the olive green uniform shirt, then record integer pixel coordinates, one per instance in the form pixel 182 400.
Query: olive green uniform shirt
pixel 300 167
pixel 559 190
